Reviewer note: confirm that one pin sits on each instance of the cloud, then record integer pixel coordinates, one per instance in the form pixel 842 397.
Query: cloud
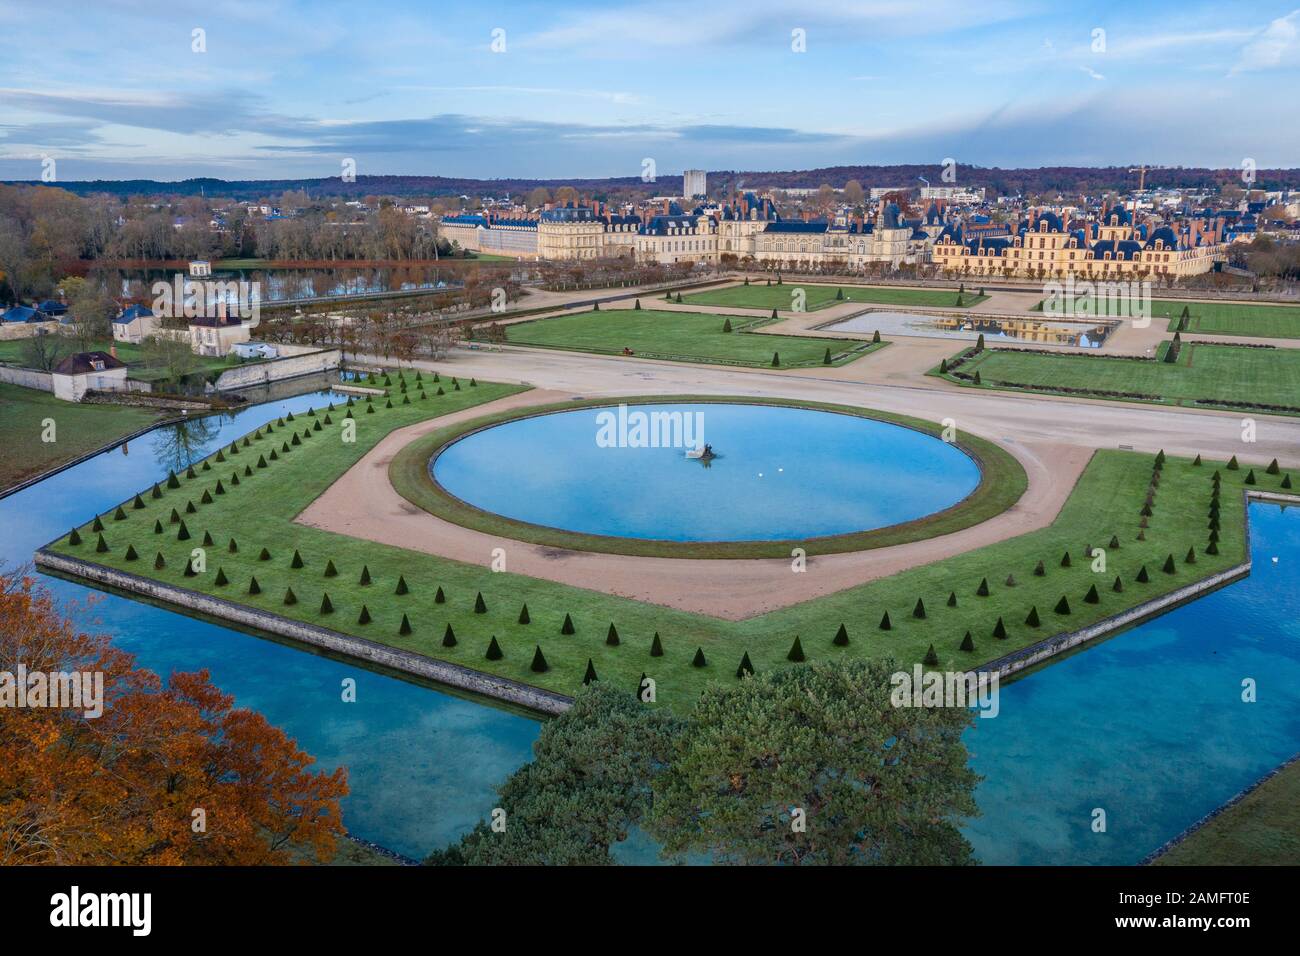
pixel 1277 44
pixel 1092 73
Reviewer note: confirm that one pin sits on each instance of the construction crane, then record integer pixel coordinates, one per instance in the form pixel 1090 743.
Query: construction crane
pixel 1142 174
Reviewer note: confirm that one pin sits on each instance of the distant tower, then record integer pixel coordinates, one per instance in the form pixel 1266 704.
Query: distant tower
pixel 693 183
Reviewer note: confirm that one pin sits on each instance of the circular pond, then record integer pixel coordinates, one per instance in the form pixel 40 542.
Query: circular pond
pixel 779 472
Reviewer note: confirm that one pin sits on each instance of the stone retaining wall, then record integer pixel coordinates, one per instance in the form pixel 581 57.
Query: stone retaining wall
pixel 275 370
pixel 27 378
pixel 452 675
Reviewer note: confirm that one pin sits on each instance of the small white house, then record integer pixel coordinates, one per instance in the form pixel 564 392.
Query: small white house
pixel 86 371
pixel 255 350
pixel 200 268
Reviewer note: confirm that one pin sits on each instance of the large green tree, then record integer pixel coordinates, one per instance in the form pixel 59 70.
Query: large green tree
pixel 588 785
pixel 819 746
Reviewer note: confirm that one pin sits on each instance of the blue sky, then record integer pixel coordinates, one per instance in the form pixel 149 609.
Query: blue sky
pixel 114 88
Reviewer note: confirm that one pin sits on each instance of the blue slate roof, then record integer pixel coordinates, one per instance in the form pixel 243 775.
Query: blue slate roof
pixel 798 225
pixel 133 312
pixel 24 313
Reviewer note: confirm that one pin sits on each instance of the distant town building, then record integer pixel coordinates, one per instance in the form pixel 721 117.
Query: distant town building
pixel 954 194
pixel 694 184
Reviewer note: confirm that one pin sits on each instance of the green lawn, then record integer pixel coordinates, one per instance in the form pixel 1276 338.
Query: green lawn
pixel 258 513
pixel 768 297
pixel 1231 318
pixel 1262 830
pixel 78 429
pixel 1220 373
pixel 14 350
pixel 682 337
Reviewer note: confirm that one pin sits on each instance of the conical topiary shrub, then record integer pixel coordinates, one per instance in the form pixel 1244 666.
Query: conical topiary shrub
pixel 796 652
pixel 590 675
pixel 841 638
pixel 931 659
pixel 656 646
pixel 952 598
pixel 401 586
pixel 264 555
pixel 326 605
pixel 183 534
pixel 157 526
pixel 919 610
pixel 1033 620
pixel 439 597
pixel 296 563
pixel 159 562
pixel 130 553
pixel 290 597
pixel 967 644
pixel 524 618
pixel 1142 575
pixel 567 626
pixel 75 537
pixel 539 665
pixel 698 660
pixel 330 570
pixel 885 623
pixel 494 650
pixel 364 580
pixel 448 637
pixel 253 586
pixel 1170 567
pixel 611 636
pixel 364 616
pixel 1000 630
pixel 745 666
pixel 1092 597
pixel 1065 560
pixel 480 606
pixel 405 627
pixel 983 589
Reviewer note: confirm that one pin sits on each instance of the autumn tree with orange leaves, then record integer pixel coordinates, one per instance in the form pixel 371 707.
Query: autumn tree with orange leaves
pixel 168 774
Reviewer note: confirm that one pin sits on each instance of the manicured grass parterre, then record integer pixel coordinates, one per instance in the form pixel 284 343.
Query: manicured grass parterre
pixel 758 295
pixel 1231 318
pixel 496 621
pixel 1230 376
pixel 1002 482
pixel 78 429
pixel 1262 829
pixel 683 337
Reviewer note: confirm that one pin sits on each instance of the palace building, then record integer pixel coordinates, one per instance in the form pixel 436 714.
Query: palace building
pixel 1111 247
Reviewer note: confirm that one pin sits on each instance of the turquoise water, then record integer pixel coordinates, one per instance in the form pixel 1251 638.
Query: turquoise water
pixel 782 473
pixel 422 764
pixel 1148 726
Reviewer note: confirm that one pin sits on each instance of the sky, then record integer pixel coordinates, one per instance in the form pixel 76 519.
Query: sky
pixel 270 89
